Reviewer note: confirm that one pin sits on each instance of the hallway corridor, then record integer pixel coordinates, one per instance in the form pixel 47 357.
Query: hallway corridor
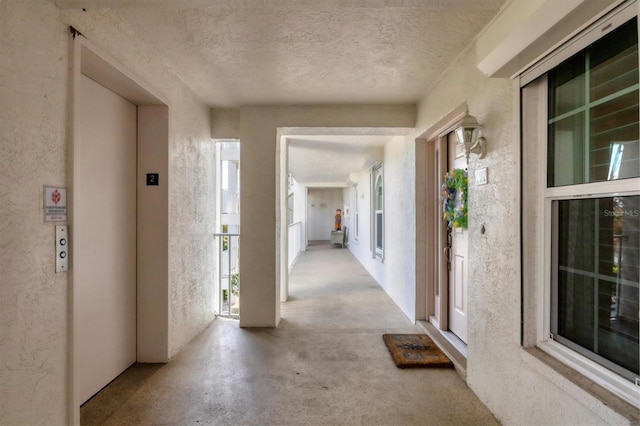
pixel 325 364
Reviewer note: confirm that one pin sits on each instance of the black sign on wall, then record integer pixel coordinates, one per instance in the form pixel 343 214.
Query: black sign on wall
pixel 152 179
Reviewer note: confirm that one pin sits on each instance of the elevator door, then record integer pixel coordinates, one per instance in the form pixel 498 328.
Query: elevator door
pixel 105 237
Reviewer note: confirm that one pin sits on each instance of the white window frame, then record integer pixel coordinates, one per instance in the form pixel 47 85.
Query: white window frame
pixel 599 374
pixel 377 172
pixel 543 218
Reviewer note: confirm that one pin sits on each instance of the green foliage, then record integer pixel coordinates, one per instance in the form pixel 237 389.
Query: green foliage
pixel 225 240
pixel 235 284
pixel 454 198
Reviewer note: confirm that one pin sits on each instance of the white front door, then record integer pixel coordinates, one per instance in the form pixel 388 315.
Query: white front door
pixel 105 237
pixel 458 257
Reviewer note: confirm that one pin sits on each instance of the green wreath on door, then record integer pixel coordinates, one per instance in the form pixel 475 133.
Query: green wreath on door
pixel 454 198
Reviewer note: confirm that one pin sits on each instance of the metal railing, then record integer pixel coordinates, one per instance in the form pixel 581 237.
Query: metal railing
pixel 228 275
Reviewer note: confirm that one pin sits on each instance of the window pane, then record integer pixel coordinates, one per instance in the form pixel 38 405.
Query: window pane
pixel 379 193
pixel 593 112
pixel 566 144
pixel 597 275
pixel 379 230
pixel 614 139
pixel 567 86
pixel 613 62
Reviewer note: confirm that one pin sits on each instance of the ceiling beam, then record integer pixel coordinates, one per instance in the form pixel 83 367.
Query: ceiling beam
pixel 118 4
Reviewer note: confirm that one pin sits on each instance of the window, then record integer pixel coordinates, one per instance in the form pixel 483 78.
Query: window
pixel 594 286
pixel 593 112
pixel 377 202
pixel 587 200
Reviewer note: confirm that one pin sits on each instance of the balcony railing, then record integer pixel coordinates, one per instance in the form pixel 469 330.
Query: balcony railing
pixel 295 242
pixel 228 284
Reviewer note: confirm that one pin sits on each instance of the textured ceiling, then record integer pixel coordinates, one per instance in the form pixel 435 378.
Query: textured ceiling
pixel 239 52
pixel 269 52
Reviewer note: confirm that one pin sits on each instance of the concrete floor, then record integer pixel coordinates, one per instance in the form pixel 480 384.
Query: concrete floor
pixel 325 365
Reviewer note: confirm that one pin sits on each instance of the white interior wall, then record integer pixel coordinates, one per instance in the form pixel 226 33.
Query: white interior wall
pixel 300 209
pixel 361 248
pixel 34 305
pixel 396 273
pixel 321 210
pixel 152 297
pixel 399 224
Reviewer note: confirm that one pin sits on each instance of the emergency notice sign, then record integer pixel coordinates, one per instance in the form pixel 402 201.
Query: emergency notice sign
pixel 55 204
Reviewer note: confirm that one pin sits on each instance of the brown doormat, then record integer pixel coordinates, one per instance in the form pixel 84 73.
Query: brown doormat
pixel 415 351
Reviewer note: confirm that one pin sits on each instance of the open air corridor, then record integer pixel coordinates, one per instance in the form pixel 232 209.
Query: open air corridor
pixel 325 364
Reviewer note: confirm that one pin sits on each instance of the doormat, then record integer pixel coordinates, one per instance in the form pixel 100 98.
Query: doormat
pixel 415 351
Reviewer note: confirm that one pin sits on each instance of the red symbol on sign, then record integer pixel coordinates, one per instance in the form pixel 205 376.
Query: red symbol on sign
pixel 55 197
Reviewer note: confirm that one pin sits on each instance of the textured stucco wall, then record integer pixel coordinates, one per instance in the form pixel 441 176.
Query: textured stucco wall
pixel 517 388
pixel 396 273
pixel 399 225
pixel 34 316
pixel 33 299
pixel 191 171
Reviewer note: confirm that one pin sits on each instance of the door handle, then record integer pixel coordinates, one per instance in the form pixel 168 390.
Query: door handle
pixel 447 249
pixel 447 255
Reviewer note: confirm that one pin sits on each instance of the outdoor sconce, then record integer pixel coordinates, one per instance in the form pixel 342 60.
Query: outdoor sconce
pixel 468 133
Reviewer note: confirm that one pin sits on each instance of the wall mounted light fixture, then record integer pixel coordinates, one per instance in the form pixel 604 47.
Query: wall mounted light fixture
pixel 468 133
